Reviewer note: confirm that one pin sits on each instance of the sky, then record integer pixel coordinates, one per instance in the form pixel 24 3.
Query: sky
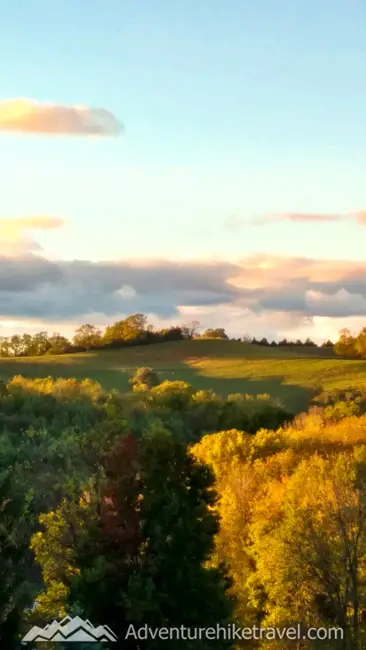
pixel 188 160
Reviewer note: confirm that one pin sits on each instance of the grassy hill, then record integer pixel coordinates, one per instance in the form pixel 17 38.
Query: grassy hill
pixel 292 374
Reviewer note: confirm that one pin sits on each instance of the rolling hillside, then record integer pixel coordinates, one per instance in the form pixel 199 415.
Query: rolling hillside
pixel 292 374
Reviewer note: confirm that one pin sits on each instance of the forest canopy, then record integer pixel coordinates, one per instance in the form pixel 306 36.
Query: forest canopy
pixel 91 525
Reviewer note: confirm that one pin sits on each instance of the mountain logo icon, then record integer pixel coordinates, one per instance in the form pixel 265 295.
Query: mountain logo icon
pixel 70 630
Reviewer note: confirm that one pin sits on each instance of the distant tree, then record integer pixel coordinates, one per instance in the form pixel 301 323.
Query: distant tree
pixel 327 344
pixel 310 343
pixel 5 349
pixel 172 334
pixel 218 333
pixel 16 345
pixel 351 346
pixel 135 326
pixel 29 347
pixel 87 336
pixel 59 344
pixel 360 345
pixel 132 327
pixel 263 341
pixel 189 330
pixel 41 343
pixel 114 332
pixel 346 344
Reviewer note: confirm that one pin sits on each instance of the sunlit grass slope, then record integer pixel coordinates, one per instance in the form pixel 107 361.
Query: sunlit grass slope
pixel 292 374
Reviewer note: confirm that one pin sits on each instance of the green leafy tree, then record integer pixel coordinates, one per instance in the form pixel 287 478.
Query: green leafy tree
pixel 59 344
pixel 16 345
pixel 28 346
pixel 14 557
pixel 140 555
pixel 4 346
pixel 41 343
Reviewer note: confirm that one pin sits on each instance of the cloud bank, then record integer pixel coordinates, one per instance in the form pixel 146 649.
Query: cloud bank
pixel 33 286
pixel 267 295
pixel 29 116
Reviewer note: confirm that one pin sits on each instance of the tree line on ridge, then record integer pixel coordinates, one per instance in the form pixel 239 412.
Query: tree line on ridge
pixel 130 331
pixel 135 330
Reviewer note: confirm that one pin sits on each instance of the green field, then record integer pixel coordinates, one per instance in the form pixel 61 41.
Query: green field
pixel 291 374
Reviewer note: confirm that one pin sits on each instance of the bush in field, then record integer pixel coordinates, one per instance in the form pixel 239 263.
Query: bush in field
pixel 144 379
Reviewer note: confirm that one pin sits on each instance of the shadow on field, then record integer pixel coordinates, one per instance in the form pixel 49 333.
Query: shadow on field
pixel 112 369
pixel 294 397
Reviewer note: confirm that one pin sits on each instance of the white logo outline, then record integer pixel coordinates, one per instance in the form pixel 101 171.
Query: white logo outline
pixel 70 630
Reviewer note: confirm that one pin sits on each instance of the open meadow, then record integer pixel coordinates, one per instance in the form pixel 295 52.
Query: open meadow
pixel 292 374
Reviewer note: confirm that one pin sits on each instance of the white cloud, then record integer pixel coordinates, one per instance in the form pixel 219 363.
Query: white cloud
pixel 14 238
pixel 29 116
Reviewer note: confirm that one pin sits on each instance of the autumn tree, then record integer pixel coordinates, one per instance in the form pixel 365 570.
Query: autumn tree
pixel 132 327
pixel 310 547
pixel 87 336
pixel 346 344
pixel 218 333
pixel 360 345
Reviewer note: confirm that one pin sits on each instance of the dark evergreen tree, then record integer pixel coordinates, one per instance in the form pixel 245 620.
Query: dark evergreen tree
pixel 144 563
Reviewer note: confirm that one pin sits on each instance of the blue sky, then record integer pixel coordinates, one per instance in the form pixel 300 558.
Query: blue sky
pixel 230 108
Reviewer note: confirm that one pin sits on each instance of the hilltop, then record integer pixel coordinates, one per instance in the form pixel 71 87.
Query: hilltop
pixel 293 374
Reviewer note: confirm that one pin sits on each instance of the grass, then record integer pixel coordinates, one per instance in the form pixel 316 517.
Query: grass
pixel 292 374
